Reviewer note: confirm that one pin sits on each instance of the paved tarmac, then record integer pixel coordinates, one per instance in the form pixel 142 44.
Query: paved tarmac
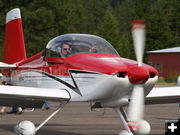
pixel 78 119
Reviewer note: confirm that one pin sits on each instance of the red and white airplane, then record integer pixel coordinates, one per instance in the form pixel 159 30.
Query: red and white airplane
pixel 79 67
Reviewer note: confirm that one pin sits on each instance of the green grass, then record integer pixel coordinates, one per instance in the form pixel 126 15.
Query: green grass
pixel 167 82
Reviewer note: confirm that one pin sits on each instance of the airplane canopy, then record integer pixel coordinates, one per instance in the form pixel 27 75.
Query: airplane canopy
pixel 78 43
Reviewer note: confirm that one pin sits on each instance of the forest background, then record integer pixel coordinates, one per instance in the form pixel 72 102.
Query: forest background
pixel 110 19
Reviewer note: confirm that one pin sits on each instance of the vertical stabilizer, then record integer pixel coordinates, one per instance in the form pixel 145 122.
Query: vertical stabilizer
pixel 14 47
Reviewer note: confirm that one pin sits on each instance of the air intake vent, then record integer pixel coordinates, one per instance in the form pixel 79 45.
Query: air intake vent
pixel 121 74
pixel 152 75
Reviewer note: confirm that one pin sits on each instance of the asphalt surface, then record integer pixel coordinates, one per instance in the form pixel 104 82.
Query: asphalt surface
pixel 78 119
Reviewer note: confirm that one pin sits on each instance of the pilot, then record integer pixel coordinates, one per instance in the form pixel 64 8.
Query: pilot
pixel 65 50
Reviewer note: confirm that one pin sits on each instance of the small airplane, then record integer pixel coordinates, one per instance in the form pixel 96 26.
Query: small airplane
pixel 80 67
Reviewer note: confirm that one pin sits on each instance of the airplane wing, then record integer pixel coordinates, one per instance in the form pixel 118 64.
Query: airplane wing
pixel 30 97
pixel 163 95
pixel 7 66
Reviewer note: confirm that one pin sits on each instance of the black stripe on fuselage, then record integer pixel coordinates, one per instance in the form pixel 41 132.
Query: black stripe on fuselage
pixel 82 72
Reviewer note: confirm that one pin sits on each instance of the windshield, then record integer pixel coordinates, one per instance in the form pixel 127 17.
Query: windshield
pixel 71 44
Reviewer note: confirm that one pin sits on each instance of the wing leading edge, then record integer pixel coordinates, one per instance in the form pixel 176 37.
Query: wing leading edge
pixel 163 95
pixel 30 97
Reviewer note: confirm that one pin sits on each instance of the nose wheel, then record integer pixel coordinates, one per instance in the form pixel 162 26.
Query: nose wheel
pixel 143 128
pixel 125 132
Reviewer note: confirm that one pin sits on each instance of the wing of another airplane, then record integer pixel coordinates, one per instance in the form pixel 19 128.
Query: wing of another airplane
pixel 30 97
pixel 163 95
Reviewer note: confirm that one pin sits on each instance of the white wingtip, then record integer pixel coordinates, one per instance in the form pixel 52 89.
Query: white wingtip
pixel 13 14
pixel 178 81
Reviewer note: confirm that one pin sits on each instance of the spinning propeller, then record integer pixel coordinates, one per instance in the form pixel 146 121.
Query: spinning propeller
pixel 136 107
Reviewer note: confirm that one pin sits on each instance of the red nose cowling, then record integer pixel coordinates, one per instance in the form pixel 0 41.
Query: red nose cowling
pixel 138 75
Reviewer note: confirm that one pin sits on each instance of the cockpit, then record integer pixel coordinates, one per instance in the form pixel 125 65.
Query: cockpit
pixel 72 44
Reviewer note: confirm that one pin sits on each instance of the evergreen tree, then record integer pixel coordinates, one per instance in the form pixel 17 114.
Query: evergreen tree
pixel 111 19
pixel 38 29
pixel 125 13
pixel 174 21
pixel 159 34
pixel 74 19
pixel 108 29
pixel 95 11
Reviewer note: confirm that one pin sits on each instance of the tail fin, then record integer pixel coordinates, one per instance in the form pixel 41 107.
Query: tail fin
pixel 14 47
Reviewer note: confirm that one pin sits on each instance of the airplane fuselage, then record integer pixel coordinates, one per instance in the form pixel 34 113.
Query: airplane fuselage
pixel 87 77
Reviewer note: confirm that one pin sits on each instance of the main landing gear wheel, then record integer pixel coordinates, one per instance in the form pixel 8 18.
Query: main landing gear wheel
pixel 28 128
pixel 125 132
pixel 25 128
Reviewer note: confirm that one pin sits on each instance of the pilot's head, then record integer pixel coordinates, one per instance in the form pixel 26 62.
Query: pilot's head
pixel 65 50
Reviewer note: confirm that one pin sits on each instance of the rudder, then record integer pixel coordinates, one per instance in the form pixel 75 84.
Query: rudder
pixel 14 47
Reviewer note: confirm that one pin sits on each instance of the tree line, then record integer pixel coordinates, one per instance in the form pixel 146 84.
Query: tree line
pixel 110 19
